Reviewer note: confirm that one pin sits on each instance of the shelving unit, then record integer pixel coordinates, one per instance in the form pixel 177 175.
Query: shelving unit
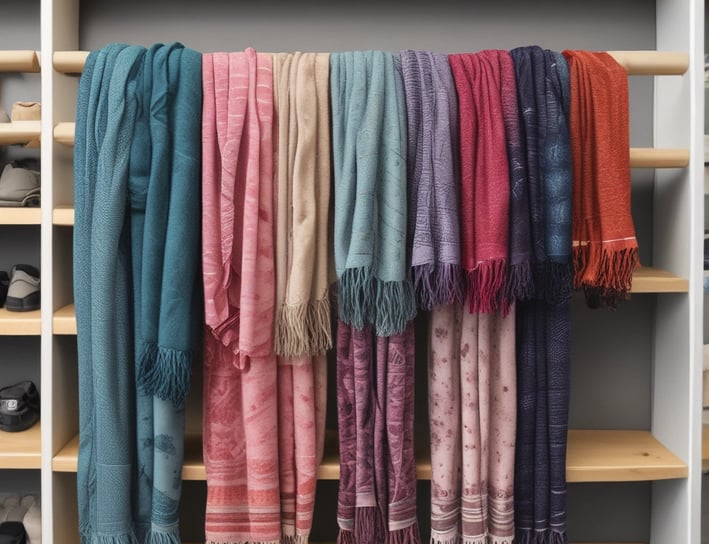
pixel 665 452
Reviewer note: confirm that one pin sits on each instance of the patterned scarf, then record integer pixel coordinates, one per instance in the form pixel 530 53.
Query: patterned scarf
pixel 240 406
pixel 375 407
pixel 369 159
pixel 605 251
pixel 136 158
pixel 303 319
pixel 434 231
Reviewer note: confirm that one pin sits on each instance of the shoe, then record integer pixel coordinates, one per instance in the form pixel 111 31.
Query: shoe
pixel 16 508
pixel 19 410
pixel 4 284
pixel 12 532
pixel 23 294
pixel 19 187
pixel 33 522
pixel 26 111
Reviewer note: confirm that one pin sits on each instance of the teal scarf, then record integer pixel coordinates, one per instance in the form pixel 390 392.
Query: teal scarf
pixel 136 259
pixel 369 163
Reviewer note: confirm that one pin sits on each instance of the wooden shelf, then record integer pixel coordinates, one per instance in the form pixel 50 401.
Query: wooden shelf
pixel 70 62
pixel 593 456
pixel 705 448
pixel 21 450
pixel 63 215
pixel 20 216
pixel 647 279
pixel 64 320
pixel 19 61
pixel 19 132
pixel 19 323
pixel 64 133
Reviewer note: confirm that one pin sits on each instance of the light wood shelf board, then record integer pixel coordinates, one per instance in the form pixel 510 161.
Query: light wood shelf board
pixel 653 157
pixel 620 456
pixel 593 456
pixel 20 216
pixel 647 279
pixel 19 132
pixel 19 61
pixel 64 133
pixel 19 323
pixel 21 450
pixel 64 320
pixel 63 215
pixel 649 63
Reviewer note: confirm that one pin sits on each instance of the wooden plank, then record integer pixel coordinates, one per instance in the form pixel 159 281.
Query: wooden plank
pixel 64 320
pixel 19 132
pixel 21 450
pixel 69 62
pixel 64 133
pixel 649 63
pixel 20 216
pixel 19 323
pixel 63 215
pixel 647 279
pixel 19 61
pixel 653 157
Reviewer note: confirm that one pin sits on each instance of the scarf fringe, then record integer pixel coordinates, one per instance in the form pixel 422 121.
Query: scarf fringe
pixel 614 279
pixel 530 536
pixel 304 329
pixel 245 542
pixel 437 284
pixel 126 538
pixel 408 535
pixel 395 307
pixel 345 536
pixel 559 280
pixel 368 524
pixel 455 539
pixel 474 540
pixel 486 283
pixel 295 539
pixel 356 296
pixel 500 539
pixel 165 373
pixel 162 537
pixel 520 282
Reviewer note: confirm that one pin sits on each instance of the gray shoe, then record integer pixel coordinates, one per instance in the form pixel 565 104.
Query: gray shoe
pixel 23 294
pixel 19 187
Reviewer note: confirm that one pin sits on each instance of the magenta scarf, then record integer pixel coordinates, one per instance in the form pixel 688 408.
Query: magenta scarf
pixel 472 410
pixel 240 405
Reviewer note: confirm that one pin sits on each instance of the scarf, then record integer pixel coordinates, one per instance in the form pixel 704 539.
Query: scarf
pixel 432 128
pixel 303 319
pixel 240 407
pixel 605 251
pixel 543 322
pixel 482 79
pixel 472 421
pixel 136 188
pixel 369 163
pixel 375 406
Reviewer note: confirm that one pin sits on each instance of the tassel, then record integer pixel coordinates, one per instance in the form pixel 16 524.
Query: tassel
pixel 558 286
pixel 356 292
pixel 125 538
pixel 169 377
pixel 486 284
pixel 520 282
pixel 365 526
pixel 162 537
pixel 395 306
pixel 345 536
pixel 408 535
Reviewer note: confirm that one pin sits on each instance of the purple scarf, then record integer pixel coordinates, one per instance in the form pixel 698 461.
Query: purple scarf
pixel 433 230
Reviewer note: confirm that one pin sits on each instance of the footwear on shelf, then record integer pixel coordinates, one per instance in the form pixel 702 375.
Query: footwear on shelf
pixel 4 284
pixel 26 111
pixel 33 522
pixel 23 294
pixel 12 532
pixel 19 187
pixel 19 410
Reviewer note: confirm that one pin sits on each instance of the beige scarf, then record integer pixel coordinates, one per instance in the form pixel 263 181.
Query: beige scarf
pixel 303 156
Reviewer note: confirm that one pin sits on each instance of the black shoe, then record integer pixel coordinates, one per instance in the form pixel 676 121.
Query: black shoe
pixel 19 406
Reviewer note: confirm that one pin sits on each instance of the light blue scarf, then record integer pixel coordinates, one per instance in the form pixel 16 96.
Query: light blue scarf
pixel 136 258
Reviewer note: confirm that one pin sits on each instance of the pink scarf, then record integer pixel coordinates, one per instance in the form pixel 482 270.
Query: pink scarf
pixel 240 405
pixel 482 80
pixel 472 410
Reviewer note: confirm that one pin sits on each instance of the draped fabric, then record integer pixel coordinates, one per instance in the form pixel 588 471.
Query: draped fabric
pixel 605 250
pixel 375 401
pixel 481 80
pixel 543 321
pixel 369 167
pixel 136 237
pixel 433 226
pixel 241 408
pixel 302 329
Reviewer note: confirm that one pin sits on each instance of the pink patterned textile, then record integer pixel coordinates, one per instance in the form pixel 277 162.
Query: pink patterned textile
pixel 472 410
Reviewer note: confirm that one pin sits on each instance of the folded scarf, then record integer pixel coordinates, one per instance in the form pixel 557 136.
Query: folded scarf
pixel 303 319
pixel 482 79
pixel 432 128
pixel 137 190
pixel 240 402
pixel 543 322
pixel 605 251
pixel 375 401
pixel 301 82
pixel 369 163
pixel 472 413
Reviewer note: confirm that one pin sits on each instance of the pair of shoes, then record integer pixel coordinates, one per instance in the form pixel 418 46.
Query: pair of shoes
pixel 19 185
pixel 19 409
pixel 12 532
pixel 22 292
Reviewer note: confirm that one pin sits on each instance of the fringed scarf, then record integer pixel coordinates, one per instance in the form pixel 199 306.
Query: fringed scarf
pixel 240 405
pixel 472 421
pixel 301 88
pixel 434 229
pixel 375 407
pixel 543 323
pixel 605 251
pixel 481 80
pixel 136 158
pixel 369 160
